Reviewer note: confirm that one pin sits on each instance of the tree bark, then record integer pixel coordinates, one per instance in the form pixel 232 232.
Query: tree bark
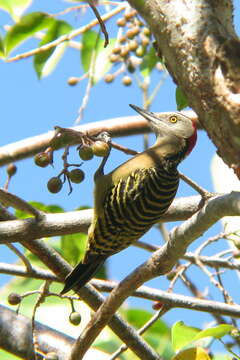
pixel 199 46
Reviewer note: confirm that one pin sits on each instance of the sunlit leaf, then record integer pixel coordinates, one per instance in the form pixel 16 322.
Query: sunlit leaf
pixel 197 353
pixel 73 247
pixel 217 332
pixel 40 206
pixel 182 335
pixel 93 51
pixel 15 7
pixel 45 62
pixel 1 47
pixel 181 99
pixel 149 62
pixel 27 26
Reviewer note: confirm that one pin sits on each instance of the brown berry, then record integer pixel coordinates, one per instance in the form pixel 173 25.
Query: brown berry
pixel 109 78
pixel 86 152
pixel 51 356
pixel 76 176
pixel 121 22
pixel 14 299
pixel 73 81
pixel 75 318
pixel 124 51
pixel 54 185
pixel 114 58
pixel 126 80
pixel 122 39
pixel 133 45
pixel 145 41
pixel 100 148
pixel 131 33
pixel 130 14
pixel 42 159
pixel 11 169
pixel 116 50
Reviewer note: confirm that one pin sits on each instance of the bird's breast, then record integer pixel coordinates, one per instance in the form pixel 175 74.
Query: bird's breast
pixel 131 207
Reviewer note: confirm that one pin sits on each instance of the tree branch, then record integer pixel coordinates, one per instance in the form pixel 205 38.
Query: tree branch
pixel 117 127
pixel 78 221
pixel 161 262
pixel 16 336
pixel 201 51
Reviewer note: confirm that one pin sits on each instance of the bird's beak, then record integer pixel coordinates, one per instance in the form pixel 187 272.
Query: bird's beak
pixel 148 115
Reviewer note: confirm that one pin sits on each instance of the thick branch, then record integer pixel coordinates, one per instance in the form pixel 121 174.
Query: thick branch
pixel 160 263
pixel 201 51
pixel 16 336
pixel 117 127
pixel 78 221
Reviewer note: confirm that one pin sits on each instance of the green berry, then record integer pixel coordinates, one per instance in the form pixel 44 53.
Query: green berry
pixel 100 148
pixel 75 318
pixel 86 152
pixel 76 176
pixel 54 185
pixel 42 159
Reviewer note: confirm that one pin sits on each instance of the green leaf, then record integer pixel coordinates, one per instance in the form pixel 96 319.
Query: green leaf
pixel 149 62
pixel 1 47
pixel 45 62
pixel 15 7
pixel 93 51
pixel 27 26
pixel 217 332
pixel 181 99
pixel 40 206
pixel 182 335
pixel 197 353
pixel 73 247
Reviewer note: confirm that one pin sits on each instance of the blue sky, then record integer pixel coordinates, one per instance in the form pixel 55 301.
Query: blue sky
pixel 30 107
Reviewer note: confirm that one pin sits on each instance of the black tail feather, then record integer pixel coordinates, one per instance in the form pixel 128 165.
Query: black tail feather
pixel 81 274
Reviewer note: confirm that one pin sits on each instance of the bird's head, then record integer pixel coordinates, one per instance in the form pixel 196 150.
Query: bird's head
pixel 172 125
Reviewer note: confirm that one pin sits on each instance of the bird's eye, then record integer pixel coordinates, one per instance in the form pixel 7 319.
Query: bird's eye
pixel 173 119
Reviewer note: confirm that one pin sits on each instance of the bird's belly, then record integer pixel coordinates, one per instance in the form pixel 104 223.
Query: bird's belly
pixel 130 215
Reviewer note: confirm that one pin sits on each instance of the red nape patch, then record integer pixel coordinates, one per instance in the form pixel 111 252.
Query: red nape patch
pixel 191 141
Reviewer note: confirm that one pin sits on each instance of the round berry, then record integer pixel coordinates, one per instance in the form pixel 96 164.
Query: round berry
pixel 42 159
pixel 109 78
pixel 100 148
pixel 54 185
pixel 126 80
pixel 11 169
pixel 73 81
pixel 86 152
pixel 75 318
pixel 76 176
pixel 14 299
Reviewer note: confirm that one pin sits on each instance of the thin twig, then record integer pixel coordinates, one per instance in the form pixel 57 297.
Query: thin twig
pixel 21 256
pixel 101 23
pixel 143 329
pixel 66 37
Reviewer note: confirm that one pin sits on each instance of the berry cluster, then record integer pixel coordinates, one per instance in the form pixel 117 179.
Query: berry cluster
pixel 89 146
pixel 132 43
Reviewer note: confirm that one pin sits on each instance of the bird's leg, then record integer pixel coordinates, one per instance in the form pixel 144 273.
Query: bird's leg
pixel 104 136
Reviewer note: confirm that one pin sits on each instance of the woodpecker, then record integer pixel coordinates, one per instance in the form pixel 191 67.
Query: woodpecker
pixel 132 198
